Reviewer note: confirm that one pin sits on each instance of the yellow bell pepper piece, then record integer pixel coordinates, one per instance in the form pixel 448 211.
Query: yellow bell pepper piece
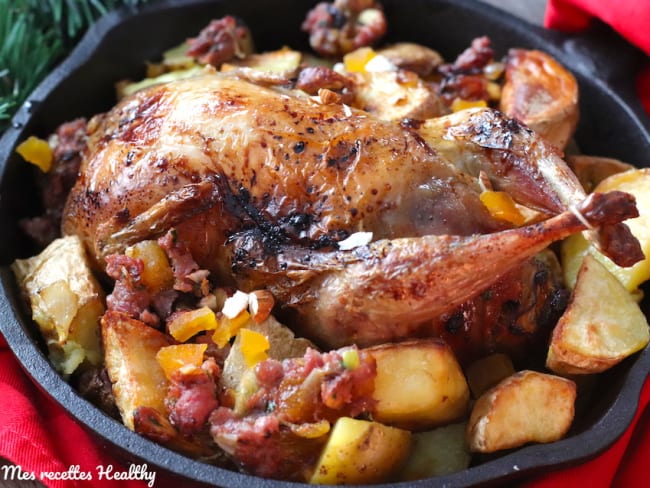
pixel 173 358
pixel 355 62
pixel 502 206
pixel 254 346
pixel 36 151
pixel 188 324
pixel 227 328
pixel 459 104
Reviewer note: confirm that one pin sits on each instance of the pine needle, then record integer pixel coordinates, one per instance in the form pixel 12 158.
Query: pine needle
pixel 34 36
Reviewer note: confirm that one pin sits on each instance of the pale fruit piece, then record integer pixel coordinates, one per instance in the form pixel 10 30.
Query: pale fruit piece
pixel 487 372
pixel 360 451
pixel 437 452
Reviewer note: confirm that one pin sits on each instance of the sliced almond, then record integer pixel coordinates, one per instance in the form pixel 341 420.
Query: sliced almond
pixel 235 304
pixel 260 304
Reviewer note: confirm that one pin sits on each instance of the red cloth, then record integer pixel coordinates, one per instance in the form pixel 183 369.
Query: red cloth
pixel 630 18
pixel 37 435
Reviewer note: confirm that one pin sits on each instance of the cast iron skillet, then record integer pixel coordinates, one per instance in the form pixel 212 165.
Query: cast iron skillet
pixel 115 48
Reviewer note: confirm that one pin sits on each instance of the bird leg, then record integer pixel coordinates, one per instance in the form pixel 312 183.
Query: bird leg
pixel 385 290
pixel 524 165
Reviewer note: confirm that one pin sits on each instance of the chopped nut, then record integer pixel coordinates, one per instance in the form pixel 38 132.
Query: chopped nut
pixel 260 304
pixel 235 304
pixel 328 97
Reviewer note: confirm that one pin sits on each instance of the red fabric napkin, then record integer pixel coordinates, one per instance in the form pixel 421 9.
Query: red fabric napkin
pixel 630 18
pixel 37 435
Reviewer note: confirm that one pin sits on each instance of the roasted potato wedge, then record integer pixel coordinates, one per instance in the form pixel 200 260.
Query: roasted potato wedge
pixel 127 87
pixel 437 452
pixel 66 302
pixel 601 326
pixel 574 248
pixel 487 372
pixel 359 451
pixel 526 407
pixel 419 385
pixel 284 61
pixel 396 95
pixel 174 59
pixel 591 170
pixel 413 57
pixel 138 380
pixel 542 94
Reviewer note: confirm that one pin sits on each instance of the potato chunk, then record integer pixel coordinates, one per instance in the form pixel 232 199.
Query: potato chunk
pixel 413 57
pixel 137 377
pixel 419 385
pixel 526 407
pixel 66 302
pixel 359 451
pixel 284 61
pixel 602 325
pixel 591 170
pixel 437 452
pixel 487 372
pixel 542 94
pixel 396 95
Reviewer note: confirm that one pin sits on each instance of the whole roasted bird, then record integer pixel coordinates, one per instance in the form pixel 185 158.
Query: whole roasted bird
pixel 263 183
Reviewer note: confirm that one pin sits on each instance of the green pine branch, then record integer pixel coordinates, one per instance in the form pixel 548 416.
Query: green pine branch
pixel 34 36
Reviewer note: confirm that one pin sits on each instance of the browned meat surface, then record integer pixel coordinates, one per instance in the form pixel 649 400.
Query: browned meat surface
pixel 261 184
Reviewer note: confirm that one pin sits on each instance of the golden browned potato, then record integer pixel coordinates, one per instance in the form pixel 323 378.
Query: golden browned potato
pixel 284 61
pixel 542 94
pixel 591 170
pixel 359 451
pixel 437 452
pixel 601 326
pixel 413 57
pixel 126 87
pixel 138 380
pixel 419 385
pixel 526 407
pixel 486 372
pixel 396 95
pixel 66 302
pixel 174 59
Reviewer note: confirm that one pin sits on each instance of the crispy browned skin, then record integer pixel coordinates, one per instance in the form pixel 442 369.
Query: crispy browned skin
pixel 240 155
pixel 280 179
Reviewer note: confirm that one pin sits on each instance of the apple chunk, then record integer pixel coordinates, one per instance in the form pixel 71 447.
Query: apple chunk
pixel 360 451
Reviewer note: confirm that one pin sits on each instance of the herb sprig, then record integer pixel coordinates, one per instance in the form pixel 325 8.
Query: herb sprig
pixel 34 36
